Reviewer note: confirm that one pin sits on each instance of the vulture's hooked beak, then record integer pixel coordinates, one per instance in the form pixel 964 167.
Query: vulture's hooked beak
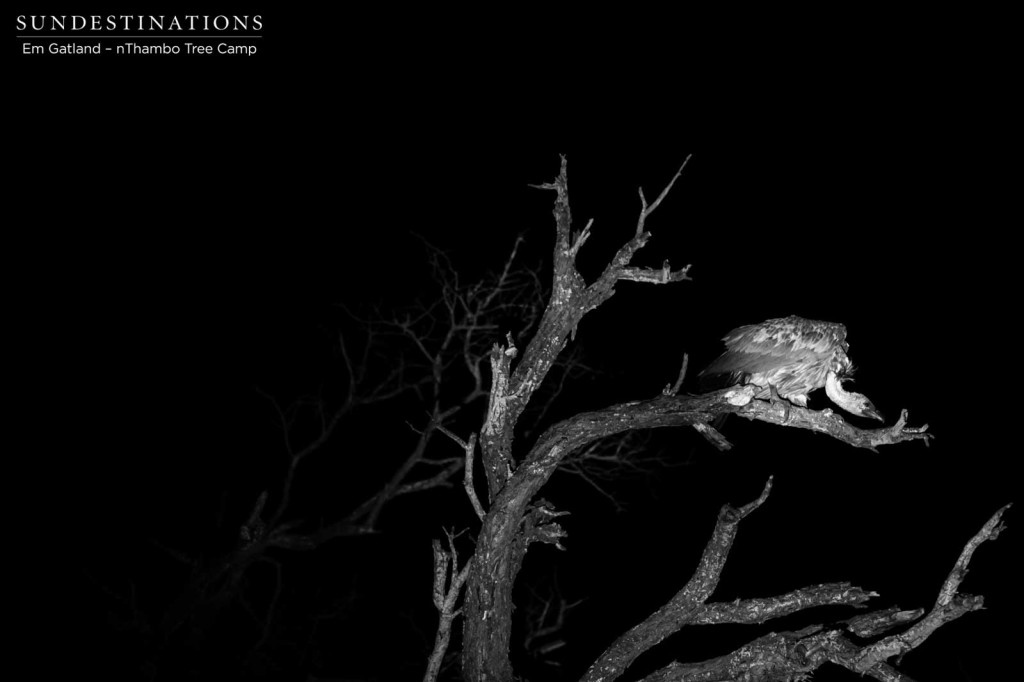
pixel 871 411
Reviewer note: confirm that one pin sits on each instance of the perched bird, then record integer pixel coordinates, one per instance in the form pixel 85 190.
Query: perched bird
pixel 792 356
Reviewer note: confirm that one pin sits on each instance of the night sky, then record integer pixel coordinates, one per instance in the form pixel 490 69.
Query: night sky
pixel 182 249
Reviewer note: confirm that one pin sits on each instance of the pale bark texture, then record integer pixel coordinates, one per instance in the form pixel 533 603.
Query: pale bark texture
pixel 512 520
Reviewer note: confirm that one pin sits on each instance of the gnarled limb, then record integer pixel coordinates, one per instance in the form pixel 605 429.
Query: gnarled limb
pixel 503 524
pixel 794 655
pixel 825 421
pixel 501 544
pixel 448 582
pixel 686 602
pixel 949 605
pixel 690 607
pixel 509 525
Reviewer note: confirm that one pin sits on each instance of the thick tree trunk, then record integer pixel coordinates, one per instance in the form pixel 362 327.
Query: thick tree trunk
pixel 512 522
pixel 487 631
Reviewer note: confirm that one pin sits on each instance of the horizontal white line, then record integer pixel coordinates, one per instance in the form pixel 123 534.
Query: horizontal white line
pixel 141 37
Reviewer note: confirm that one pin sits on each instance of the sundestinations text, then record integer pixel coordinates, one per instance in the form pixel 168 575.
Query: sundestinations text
pixel 137 22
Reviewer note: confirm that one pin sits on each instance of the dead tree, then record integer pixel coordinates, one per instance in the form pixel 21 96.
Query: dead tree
pixel 511 519
pixel 789 655
pixel 434 350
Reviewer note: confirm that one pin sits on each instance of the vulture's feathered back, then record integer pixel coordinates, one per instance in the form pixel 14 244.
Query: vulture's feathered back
pixel 795 356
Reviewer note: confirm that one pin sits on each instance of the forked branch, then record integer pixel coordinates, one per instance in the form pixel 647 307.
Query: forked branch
pixel 794 655
pixel 448 582
pixel 823 421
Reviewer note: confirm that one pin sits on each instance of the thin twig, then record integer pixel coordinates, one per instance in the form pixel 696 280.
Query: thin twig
pixel 467 446
pixel 448 582
pixel 645 210
pixel 674 388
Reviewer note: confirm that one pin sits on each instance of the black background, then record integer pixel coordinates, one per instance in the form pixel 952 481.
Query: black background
pixel 180 231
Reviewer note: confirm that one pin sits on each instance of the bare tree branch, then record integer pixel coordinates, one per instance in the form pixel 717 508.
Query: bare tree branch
pixel 663 275
pixel 681 608
pixel 949 606
pixel 605 462
pixel 468 447
pixel 448 582
pixel 506 530
pixel 646 211
pixel 442 334
pixel 674 388
pixel 418 351
pixel 760 610
pixel 794 655
pixel 825 421
pixel 544 619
